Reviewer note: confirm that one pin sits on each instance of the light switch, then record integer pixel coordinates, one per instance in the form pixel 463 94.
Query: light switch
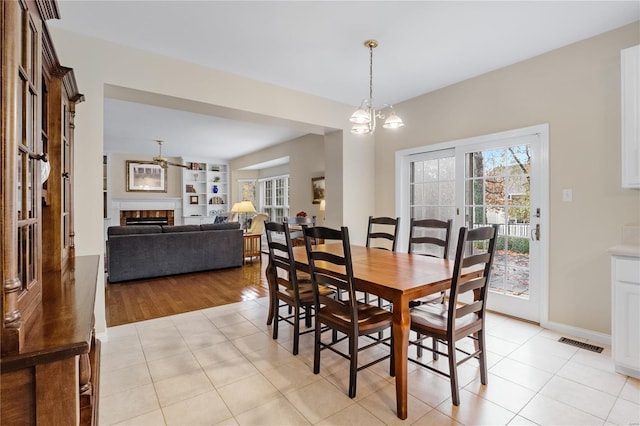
pixel 567 195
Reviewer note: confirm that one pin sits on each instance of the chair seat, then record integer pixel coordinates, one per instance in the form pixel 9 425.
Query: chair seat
pixel 306 292
pixel 431 319
pixel 370 318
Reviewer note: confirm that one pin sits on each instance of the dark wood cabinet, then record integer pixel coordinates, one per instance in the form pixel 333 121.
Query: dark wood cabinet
pixel 49 357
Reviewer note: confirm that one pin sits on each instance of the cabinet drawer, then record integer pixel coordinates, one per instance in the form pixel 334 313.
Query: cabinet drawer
pixel 627 270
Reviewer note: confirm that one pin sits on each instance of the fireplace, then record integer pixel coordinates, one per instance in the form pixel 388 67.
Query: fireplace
pixel 129 221
pixel 146 217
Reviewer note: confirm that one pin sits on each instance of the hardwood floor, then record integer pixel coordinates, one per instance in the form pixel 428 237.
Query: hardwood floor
pixel 141 300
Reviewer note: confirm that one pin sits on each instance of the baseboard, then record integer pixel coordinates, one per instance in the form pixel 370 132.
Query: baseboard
pixel 592 336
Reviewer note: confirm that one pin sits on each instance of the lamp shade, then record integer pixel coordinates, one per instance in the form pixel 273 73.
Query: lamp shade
pixel 361 116
pixel 393 121
pixel 322 205
pixel 244 206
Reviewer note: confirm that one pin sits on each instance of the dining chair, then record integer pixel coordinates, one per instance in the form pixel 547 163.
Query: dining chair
pixel 285 287
pixel 382 233
pixel 430 237
pixel 448 323
pixel 385 230
pixel 349 317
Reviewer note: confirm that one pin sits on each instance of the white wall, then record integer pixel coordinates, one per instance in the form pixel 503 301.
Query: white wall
pixel 576 89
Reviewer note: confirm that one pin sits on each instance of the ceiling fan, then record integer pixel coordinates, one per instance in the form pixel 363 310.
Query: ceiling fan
pixel 162 162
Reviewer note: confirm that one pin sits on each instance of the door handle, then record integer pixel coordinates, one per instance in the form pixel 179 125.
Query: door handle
pixel 535 233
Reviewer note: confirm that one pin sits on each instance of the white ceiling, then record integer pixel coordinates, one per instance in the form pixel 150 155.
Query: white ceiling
pixel 316 47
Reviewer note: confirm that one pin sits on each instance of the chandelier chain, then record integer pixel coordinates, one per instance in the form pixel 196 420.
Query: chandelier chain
pixel 371 75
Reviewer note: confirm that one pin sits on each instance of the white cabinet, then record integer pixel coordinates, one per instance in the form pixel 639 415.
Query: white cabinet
pixel 625 276
pixel 204 191
pixel 630 95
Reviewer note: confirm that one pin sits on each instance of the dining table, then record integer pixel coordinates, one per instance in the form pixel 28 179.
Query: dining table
pixel 398 278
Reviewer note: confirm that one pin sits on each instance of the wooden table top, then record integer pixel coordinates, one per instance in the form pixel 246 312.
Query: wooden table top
pixel 413 276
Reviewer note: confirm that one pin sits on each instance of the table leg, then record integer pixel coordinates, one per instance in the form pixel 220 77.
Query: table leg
pixel 401 326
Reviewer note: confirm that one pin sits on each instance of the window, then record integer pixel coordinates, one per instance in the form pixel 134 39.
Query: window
pixel 274 197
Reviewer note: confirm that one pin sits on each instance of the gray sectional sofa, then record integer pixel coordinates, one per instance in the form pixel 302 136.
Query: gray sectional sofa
pixel 146 251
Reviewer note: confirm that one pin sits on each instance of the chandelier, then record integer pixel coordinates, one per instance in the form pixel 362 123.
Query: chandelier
pixel 364 119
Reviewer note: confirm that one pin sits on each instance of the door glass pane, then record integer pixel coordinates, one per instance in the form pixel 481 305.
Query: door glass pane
pixel 497 192
pixel 432 187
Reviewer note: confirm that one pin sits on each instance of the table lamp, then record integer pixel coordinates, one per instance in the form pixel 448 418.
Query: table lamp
pixel 244 207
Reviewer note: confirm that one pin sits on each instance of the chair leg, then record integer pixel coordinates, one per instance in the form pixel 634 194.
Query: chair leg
pixel 483 358
pixel 353 367
pixel 316 349
pixel 435 348
pixel 276 318
pixel 418 348
pixel 307 316
pixel 296 329
pixel 453 373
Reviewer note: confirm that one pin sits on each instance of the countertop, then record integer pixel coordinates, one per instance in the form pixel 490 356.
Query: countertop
pixel 630 245
pixel 625 250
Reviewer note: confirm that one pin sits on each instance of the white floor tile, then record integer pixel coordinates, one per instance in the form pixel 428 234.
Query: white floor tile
pixel 318 400
pixel 547 411
pixel 220 366
pixel 278 411
pixel 624 413
pixel 474 410
pixel 127 404
pixel 353 415
pixel 579 396
pixel 247 393
pixel 611 383
pixel 182 387
pixel 205 409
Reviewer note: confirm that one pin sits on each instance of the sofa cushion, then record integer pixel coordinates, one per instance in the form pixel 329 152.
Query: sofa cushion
pixel 134 229
pixel 218 226
pixel 180 228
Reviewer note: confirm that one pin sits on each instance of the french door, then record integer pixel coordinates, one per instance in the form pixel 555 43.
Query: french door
pixel 495 179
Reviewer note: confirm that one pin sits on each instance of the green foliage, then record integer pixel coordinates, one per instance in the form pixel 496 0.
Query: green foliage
pixel 517 245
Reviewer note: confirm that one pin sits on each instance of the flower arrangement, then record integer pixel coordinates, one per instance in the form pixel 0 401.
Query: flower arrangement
pixel 301 214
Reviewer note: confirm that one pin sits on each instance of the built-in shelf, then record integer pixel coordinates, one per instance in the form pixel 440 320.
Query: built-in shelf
pixel 205 191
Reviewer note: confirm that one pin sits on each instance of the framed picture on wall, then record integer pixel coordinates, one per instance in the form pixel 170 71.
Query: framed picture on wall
pixel 317 189
pixel 145 176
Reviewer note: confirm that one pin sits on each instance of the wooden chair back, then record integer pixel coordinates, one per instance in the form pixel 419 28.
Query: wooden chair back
pixel 475 247
pixel 385 228
pixel 429 231
pixel 281 256
pixel 341 277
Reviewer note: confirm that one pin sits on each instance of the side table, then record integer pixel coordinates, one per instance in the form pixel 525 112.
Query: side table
pixel 252 246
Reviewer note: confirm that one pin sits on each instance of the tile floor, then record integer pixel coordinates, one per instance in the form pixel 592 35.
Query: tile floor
pixel 219 366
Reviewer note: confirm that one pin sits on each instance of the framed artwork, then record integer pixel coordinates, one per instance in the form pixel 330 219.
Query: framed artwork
pixel 247 190
pixel 193 199
pixel 317 189
pixel 145 176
